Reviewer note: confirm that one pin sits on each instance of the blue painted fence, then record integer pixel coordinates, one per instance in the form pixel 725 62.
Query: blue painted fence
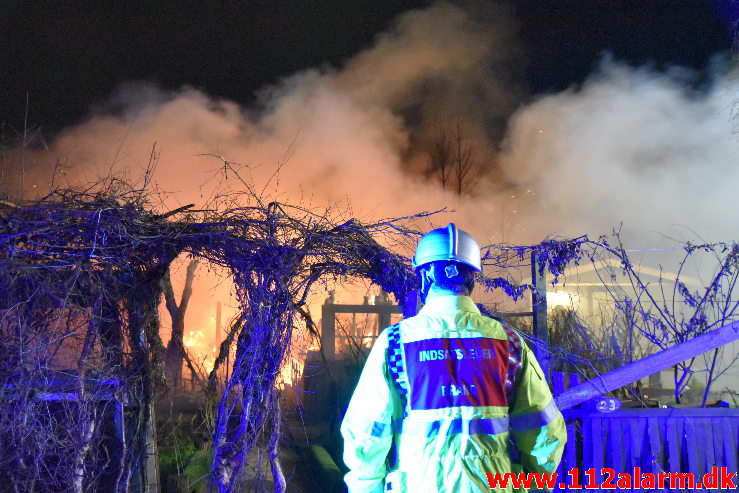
pixel 676 440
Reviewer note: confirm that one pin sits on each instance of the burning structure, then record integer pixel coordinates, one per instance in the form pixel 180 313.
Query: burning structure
pixel 81 348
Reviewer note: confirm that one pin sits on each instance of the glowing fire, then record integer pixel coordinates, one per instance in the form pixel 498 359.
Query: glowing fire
pixel 193 339
pixel 204 335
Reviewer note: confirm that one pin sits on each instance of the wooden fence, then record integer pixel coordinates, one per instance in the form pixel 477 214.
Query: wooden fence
pixel 674 440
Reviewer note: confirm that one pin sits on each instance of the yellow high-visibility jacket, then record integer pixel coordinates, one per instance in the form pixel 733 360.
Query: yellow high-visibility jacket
pixel 455 423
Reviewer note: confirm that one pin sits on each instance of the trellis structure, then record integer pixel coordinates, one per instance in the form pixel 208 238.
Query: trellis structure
pixel 80 274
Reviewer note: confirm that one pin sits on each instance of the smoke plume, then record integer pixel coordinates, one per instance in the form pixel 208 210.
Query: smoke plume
pixel 631 146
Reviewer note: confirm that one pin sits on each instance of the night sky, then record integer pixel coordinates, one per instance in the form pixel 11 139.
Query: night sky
pixel 70 55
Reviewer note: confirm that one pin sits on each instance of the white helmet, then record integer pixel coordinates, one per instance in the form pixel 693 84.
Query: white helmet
pixel 448 243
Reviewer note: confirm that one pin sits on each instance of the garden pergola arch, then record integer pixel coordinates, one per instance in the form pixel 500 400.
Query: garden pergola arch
pixel 81 275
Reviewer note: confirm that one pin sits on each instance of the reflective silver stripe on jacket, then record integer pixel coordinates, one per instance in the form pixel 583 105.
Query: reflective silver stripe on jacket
pixel 431 429
pixel 535 420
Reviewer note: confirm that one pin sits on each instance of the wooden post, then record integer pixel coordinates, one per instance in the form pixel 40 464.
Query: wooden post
pixel 328 332
pixel 539 309
pixel 383 316
pixel 383 320
pixel 152 457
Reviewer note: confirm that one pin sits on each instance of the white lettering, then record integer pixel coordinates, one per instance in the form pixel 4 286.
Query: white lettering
pixel 456 354
pixel 457 390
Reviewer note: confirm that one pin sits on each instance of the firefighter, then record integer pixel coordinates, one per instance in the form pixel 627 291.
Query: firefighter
pixel 449 395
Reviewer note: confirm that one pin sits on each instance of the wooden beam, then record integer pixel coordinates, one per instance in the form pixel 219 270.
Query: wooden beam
pixel 380 309
pixel 539 308
pixel 647 366
pixel 328 332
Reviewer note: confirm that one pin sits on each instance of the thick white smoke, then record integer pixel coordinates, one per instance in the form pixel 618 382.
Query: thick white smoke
pixel 630 146
pixel 345 132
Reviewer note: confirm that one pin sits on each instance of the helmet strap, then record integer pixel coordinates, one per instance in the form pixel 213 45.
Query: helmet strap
pixel 427 280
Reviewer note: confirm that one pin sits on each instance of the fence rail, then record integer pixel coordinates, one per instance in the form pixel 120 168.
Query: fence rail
pixel 677 440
